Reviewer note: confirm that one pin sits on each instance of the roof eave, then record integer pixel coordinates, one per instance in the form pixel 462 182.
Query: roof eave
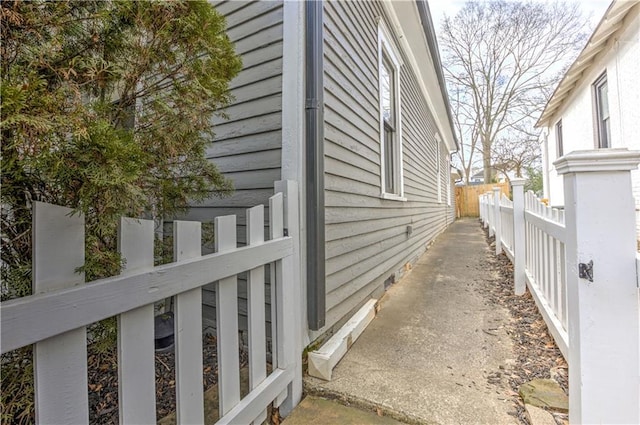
pixel 609 25
pixel 427 25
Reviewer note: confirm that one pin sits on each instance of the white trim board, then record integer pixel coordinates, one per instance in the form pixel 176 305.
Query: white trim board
pixel 323 360
pixel 293 122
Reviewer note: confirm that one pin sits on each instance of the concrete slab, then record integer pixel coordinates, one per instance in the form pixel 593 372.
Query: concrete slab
pixel 436 344
pixel 318 411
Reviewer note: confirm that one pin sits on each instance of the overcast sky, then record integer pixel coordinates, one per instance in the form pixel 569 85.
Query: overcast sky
pixel 594 8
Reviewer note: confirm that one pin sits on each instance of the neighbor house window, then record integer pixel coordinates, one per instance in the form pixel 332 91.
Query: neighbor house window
pixel 390 134
pixel 603 122
pixel 560 150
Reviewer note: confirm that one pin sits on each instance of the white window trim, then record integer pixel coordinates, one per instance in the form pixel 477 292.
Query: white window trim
pixel 448 180
pixel 388 48
pixel 438 168
pixel 597 99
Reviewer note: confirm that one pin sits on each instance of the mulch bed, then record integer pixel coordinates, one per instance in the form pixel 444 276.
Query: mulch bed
pixel 537 355
pixel 103 381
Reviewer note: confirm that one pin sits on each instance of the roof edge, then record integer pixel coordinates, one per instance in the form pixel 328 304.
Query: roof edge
pixel 427 25
pixel 617 9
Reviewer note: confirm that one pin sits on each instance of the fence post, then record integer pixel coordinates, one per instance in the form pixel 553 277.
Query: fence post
pixel 497 218
pixel 291 297
pixel 517 190
pixel 603 311
pixel 491 214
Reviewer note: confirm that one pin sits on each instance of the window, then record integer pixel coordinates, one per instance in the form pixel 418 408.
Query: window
pixel 601 100
pixel 560 147
pixel 438 171
pixel 390 133
pixel 448 180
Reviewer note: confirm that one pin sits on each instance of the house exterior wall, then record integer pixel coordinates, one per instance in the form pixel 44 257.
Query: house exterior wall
pixel 621 62
pixel 247 145
pixel 367 238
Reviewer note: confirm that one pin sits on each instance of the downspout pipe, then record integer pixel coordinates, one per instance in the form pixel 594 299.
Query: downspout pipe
pixel 314 155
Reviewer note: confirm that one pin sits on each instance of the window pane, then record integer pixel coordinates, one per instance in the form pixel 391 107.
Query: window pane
pixel 602 109
pixel 559 138
pixel 604 100
pixel 389 161
pixel 386 77
pixel 606 134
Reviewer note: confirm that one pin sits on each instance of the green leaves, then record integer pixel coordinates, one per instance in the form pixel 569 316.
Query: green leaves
pixel 107 107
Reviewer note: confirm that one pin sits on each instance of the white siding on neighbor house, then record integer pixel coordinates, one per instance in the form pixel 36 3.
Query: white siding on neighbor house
pixel 621 61
pixel 366 236
pixel 247 145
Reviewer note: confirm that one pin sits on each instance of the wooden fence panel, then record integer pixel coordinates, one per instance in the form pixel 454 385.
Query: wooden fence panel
pixel 467 197
pixel 55 317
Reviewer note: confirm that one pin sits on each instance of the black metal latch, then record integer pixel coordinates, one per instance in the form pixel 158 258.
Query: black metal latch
pixel 585 271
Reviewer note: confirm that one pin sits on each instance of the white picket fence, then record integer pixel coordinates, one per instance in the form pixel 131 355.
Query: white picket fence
pixel 54 319
pixel 544 262
pixel 581 266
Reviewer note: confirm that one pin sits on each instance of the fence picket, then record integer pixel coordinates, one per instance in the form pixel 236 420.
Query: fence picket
pixel 546 263
pixel 61 350
pixel 227 321
pixel 563 286
pixel 276 230
pixel 518 237
pixel 60 362
pixel 187 237
pixel 256 307
pixel 540 252
pixel 136 362
pixel 556 268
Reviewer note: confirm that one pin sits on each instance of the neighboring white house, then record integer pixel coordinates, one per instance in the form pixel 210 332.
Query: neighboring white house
pixel 597 103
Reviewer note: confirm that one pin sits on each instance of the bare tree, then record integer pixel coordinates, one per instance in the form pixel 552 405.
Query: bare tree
pixel 511 155
pixel 502 60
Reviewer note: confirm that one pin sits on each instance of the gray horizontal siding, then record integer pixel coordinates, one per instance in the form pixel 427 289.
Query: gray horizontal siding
pixel 248 140
pixel 366 236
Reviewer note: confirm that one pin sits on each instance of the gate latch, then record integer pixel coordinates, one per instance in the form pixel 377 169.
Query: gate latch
pixel 585 271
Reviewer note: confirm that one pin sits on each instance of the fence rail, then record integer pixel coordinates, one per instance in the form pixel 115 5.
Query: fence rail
pixel 54 319
pixel 582 269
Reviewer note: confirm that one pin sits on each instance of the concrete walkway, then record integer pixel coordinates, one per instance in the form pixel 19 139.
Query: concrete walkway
pixel 437 352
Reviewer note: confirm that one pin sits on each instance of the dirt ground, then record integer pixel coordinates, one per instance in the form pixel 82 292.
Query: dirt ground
pixel 103 382
pixel 537 355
